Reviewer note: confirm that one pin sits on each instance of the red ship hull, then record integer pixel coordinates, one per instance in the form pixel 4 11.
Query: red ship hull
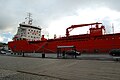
pixel 83 43
pixel 94 42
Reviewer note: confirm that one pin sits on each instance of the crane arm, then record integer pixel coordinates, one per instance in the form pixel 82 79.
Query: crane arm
pixel 81 25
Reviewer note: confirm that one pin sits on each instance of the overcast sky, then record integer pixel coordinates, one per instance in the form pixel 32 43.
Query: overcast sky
pixel 54 16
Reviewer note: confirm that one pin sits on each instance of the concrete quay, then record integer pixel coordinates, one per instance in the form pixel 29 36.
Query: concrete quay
pixel 28 68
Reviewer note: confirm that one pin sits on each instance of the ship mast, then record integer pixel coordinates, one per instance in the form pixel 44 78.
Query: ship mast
pixel 29 19
pixel 113 28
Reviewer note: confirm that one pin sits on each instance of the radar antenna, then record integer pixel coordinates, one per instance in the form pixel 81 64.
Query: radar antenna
pixel 29 19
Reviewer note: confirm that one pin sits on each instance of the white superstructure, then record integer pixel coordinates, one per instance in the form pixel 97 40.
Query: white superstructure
pixel 28 31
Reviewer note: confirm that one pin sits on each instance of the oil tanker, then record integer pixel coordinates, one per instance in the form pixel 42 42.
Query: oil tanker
pixel 29 40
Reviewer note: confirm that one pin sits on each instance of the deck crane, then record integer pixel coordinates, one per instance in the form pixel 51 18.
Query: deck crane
pixel 69 29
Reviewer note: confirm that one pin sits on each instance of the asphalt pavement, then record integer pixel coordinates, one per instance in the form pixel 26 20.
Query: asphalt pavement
pixel 31 68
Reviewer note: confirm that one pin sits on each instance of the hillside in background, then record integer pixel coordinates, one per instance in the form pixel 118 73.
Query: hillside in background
pixel 2 44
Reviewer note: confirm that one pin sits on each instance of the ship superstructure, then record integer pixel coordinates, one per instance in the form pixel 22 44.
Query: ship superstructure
pixel 28 31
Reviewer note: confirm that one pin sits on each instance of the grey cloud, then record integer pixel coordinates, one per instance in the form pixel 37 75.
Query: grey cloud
pixel 44 11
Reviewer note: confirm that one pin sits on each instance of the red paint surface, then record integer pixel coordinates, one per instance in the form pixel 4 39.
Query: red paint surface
pixel 95 42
